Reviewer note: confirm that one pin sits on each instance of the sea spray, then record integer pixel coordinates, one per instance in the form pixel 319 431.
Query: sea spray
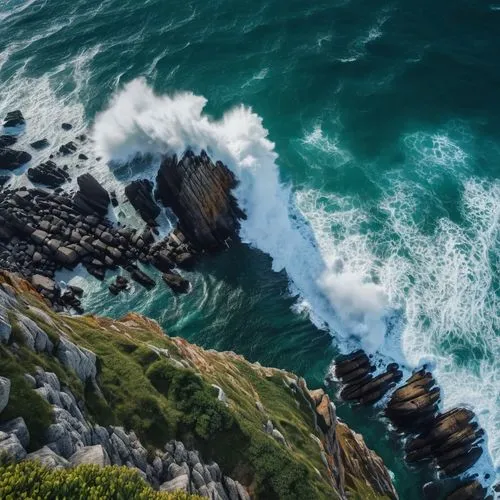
pixel 346 286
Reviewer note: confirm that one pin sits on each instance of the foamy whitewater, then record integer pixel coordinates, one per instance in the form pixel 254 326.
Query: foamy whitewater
pixel 407 303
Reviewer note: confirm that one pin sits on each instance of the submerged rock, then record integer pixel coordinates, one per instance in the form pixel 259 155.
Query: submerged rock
pixel 14 119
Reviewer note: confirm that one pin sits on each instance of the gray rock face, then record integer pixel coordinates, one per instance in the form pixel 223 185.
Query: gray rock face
pixel 5 327
pixel 4 392
pixel 48 458
pixel 19 429
pixel 80 360
pixel 10 446
pixel 90 455
pixel 178 483
pixel 34 337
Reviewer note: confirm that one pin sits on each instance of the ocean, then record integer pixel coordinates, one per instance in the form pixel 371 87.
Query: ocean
pixel 366 139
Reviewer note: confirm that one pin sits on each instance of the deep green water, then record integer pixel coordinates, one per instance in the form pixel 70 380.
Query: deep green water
pixel 374 217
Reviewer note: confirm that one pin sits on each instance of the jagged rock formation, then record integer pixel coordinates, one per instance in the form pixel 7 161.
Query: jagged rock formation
pixel 452 440
pixel 199 193
pixel 11 159
pixel 140 195
pixel 95 404
pixel 14 119
pixel 48 174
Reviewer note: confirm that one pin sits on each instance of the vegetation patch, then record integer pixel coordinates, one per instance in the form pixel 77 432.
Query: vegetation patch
pixel 32 480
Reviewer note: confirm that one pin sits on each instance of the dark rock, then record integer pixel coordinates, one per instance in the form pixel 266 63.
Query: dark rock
pixel 4 179
pixel 7 140
pixel 14 119
pixel 66 126
pixel 48 174
pixel 81 156
pixel 470 490
pixel 11 159
pixel 68 148
pixel 76 290
pixel 162 261
pixel 199 193
pixel 92 197
pixel 176 282
pixel 140 195
pixel 41 144
pixel 142 278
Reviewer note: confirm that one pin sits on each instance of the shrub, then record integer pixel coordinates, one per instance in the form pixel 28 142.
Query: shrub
pixel 91 482
pixel 202 413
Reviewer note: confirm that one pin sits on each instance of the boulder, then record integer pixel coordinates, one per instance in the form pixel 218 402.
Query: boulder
pixel 66 126
pixel 92 195
pixel 66 256
pixel 199 193
pixel 80 360
pixel 5 326
pixel 11 159
pixel 40 144
pixel 14 119
pixel 4 179
pixel 140 195
pixel 178 483
pixel 142 278
pixel 90 455
pixel 34 337
pixel 48 174
pixel 4 392
pixel 176 282
pixel 7 140
pixel 48 458
pixel 18 428
pixel 41 282
pixel 11 447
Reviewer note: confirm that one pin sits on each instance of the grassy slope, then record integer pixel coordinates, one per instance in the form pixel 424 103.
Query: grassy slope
pixel 157 410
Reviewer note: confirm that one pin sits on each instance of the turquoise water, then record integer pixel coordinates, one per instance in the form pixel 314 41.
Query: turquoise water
pixel 366 139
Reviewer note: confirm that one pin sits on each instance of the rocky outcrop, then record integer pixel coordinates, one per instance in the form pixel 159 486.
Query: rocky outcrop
pixel 451 440
pixel 14 119
pixel 199 193
pixel 7 140
pixel 11 159
pixel 4 392
pixel 92 198
pixel 48 174
pixel 140 195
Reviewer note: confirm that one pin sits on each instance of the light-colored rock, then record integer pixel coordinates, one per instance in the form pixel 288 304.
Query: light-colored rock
pixel 231 488
pixel 12 448
pixel 60 440
pixel 4 392
pixel 48 458
pixel 80 360
pixel 5 326
pixel 214 471
pixel 120 447
pixel 221 396
pixel 197 479
pixel 242 492
pixel 90 455
pixel 279 437
pixel 30 379
pixel 176 470
pixel 178 483
pixel 34 337
pixel 260 406
pixel 269 427
pixel 17 427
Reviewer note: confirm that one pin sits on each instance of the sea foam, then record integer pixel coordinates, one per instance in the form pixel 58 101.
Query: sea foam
pixel 438 283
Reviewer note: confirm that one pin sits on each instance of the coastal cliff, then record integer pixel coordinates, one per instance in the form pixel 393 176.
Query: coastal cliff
pixel 80 390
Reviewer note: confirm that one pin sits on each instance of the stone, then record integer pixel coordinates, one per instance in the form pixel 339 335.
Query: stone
pixel 66 256
pixel 178 483
pixel 176 282
pixel 41 282
pixel 48 458
pixel 11 447
pixel 35 338
pixel 11 159
pixel 279 437
pixel 5 326
pixel 14 119
pixel 93 197
pixel 80 360
pixel 39 236
pixel 142 278
pixel 17 427
pixel 7 140
pixel 48 174
pixel 231 488
pixel 140 195
pixel 90 455
pixel 66 126
pixel 4 392
pixel 40 144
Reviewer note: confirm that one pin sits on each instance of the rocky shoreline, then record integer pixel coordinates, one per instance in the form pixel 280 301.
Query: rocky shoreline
pixel 450 441
pixel 43 231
